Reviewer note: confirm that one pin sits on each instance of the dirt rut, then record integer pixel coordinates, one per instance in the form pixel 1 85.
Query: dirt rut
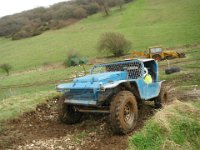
pixel 40 129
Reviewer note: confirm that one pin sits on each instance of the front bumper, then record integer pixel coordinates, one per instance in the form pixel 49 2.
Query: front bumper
pixel 83 102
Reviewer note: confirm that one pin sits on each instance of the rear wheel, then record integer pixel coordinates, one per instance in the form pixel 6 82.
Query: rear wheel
pixel 161 99
pixel 123 112
pixel 67 113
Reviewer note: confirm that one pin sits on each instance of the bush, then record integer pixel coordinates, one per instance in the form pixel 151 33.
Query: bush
pixel 63 12
pixel 93 8
pixel 20 35
pixel 128 1
pixel 74 59
pixel 114 43
pixel 6 68
pixel 120 3
pixel 79 13
pixel 29 30
pixel 57 24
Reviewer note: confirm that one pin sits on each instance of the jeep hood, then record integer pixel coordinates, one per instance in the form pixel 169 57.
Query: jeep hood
pixel 94 81
pixel 102 77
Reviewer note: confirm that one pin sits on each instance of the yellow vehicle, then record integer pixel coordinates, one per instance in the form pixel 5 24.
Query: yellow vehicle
pixel 158 53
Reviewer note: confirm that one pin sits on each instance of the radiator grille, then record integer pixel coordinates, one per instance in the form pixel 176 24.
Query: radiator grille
pixel 81 94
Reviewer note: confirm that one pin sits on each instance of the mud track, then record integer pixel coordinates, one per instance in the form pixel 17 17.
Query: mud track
pixel 40 129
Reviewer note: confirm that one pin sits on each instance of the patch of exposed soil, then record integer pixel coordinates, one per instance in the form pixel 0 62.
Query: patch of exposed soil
pixel 190 95
pixel 182 93
pixel 40 129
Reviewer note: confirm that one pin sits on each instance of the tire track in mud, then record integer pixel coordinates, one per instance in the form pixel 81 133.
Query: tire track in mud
pixel 40 129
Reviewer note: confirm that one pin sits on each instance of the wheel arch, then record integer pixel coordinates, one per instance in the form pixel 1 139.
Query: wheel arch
pixel 124 85
pixel 160 84
pixel 132 87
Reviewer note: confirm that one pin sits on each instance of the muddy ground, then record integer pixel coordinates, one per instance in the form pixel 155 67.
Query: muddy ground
pixel 41 129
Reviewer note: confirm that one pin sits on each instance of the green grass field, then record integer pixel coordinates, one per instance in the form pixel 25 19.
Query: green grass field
pixel 144 22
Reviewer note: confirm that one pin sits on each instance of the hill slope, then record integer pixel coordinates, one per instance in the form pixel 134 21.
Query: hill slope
pixel 146 23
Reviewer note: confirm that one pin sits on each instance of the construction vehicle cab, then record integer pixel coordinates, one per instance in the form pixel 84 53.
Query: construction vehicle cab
pixel 156 53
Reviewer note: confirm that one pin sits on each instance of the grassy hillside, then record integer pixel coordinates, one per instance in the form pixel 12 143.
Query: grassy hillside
pixel 144 22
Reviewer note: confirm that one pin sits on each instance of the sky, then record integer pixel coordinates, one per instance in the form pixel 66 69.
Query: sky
pixel 9 7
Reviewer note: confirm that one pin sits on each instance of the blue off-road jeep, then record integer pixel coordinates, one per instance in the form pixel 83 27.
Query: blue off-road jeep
pixel 116 88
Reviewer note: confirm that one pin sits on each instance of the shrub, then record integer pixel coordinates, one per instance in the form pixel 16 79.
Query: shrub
pixel 20 35
pixel 57 24
pixel 29 30
pixel 79 13
pixel 120 3
pixel 83 61
pixel 93 8
pixel 63 12
pixel 114 43
pixel 128 1
pixel 74 59
pixel 6 68
pixel 112 3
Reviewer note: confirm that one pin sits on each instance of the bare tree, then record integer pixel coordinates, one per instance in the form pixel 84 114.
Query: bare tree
pixel 104 5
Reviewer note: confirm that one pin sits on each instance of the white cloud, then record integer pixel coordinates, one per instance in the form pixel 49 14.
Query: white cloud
pixel 9 7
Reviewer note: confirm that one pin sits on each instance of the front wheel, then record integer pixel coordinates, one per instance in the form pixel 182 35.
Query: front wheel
pixel 67 113
pixel 123 112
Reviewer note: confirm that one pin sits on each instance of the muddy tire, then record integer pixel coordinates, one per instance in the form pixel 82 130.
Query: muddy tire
pixel 123 112
pixel 162 98
pixel 67 113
